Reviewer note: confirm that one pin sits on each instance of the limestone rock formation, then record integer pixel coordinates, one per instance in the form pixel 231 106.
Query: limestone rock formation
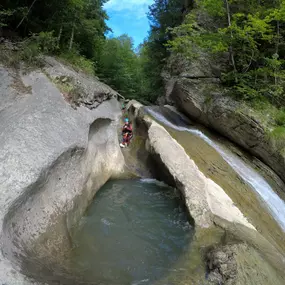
pixel 209 206
pixel 77 87
pixel 238 264
pixel 203 197
pixel 53 160
pixel 195 88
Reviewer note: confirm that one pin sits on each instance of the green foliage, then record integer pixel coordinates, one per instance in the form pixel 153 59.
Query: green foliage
pixel 163 16
pixel 46 42
pixel 280 118
pixel 125 70
pixel 9 57
pixel 277 135
pixel 4 15
pixel 213 7
pixel 251 33
pixel 78 61
pixel 266 112
pixel 278 132
pixel 30 52
pixel 189 37
pixel 74 23
pixel 31 49
pixel 117 65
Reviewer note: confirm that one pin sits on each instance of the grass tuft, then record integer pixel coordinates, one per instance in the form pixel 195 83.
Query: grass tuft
pixel 78 62
pixel 280 117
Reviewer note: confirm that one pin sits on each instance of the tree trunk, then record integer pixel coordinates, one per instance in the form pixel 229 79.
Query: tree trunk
pixel 26 14
pixel 59 36
pixel 278 36
pixel 275 78
pixel 71 38
pixel 231 47
pixel 277 3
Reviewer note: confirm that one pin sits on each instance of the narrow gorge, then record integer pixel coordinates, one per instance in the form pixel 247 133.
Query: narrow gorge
pixel 180 205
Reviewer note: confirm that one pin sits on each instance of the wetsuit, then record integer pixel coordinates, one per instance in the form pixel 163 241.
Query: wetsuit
pixel 127 133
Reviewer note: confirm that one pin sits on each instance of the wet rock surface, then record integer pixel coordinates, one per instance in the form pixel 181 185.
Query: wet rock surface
pixel 239 264
pixel 222 266
pixel 242 252
pixel 203 197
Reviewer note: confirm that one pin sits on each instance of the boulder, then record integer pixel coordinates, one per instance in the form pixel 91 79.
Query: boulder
pixel 53 160
pixel 239 264
pixel 222 265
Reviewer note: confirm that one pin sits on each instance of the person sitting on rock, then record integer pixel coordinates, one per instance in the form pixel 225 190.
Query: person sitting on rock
pixel 127 133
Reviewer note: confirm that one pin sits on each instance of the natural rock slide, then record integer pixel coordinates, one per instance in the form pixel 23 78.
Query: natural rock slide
pixel 206 201
pixel 274 203
pixel 58 147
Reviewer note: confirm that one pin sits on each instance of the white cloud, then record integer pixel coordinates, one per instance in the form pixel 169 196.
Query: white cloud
pixel 138 6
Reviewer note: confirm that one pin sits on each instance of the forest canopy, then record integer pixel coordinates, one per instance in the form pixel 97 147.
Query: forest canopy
pixel 76 31
pixel 249 34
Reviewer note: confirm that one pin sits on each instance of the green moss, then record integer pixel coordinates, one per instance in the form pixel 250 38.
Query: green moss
pixel 208 100
pixel 277 136
pixel 27 53
pixel 280 117
pixel 260 104
pixel 78 62
pixel 278 133
pixel 268 115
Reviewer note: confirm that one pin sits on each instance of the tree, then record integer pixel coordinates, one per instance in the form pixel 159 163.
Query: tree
pixel 4 15
pixel 117 65
pixel 252 35
pixel 77 23
pixel 163 15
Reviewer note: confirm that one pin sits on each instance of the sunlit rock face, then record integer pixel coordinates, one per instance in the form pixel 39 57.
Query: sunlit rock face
pixel 54 158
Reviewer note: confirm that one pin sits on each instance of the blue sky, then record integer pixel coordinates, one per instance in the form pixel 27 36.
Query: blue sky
pixel 129 17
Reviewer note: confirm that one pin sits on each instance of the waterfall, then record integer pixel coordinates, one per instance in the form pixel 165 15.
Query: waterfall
pixel 274 203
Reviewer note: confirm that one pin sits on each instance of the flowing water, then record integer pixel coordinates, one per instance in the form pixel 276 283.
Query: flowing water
pixel 134 232
pixel 248 188
pixel 139 232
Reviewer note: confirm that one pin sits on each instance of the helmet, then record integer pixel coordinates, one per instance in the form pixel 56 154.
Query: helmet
pixel 126 120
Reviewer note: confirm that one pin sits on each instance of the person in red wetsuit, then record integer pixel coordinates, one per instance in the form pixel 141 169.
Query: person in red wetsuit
pixel 127 133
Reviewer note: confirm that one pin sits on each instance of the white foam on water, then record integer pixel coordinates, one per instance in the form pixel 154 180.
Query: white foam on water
pixel 106 222
pixel 140 282
pixel 153 181
pixel 274 203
